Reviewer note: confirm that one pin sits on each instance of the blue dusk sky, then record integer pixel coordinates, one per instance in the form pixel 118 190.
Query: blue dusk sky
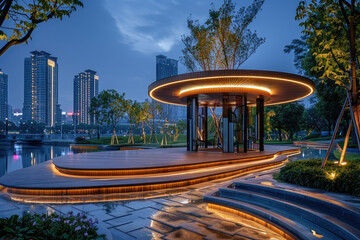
pixel 120 39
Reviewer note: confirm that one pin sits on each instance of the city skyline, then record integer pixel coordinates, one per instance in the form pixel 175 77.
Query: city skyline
pixel 116 48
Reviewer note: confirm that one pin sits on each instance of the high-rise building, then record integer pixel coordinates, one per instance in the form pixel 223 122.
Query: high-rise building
pixel 41 88
pixel 166 67
pixel 86 86
pixel 3 96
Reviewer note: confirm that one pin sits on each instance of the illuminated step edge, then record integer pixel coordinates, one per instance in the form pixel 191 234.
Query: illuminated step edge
pixel 165 169
pixel 218 208
pixel 279 160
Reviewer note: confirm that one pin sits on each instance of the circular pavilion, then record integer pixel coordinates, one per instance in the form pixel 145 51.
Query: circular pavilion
pixel 242 95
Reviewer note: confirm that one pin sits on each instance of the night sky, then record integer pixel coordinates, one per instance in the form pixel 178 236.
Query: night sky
pixel 120 39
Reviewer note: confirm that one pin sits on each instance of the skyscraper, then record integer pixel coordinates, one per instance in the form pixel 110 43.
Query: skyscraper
pixel 3 96
pixel 86 86
pixel 166 67
pixel 41 88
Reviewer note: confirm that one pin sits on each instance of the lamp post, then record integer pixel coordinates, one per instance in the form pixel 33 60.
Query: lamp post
pixel 7 126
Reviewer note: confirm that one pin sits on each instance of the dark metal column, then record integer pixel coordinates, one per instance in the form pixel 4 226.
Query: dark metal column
pixel 194 125
pixel 188 124
pixel 205 125
pixel 238 132
pixel 260 122
pixel 225 121
pixel 245 124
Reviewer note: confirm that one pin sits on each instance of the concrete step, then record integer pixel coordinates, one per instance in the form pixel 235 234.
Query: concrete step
pixel 292 228
pixel 329 227
pixel 342 212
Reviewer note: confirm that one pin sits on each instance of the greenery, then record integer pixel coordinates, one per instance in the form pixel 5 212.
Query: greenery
pixel 286 119
pixel 123 141
pixel 18 19
pixel 332 178
pixel 327 52
pixel 224 41
pixel 278 142
pixel 350 144
pixel 52 226
pixel 355 157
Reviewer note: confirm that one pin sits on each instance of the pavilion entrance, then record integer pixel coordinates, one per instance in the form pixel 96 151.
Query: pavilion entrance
pixel 237 127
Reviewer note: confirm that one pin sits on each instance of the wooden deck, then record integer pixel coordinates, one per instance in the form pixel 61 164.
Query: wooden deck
pixel 46 180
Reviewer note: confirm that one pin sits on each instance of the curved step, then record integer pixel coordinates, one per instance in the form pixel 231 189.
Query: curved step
pixel 291 228
pixel 346 214
pixel 328 226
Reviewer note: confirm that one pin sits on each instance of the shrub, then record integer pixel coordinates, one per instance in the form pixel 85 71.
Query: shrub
pixel 52 226
pixel 334 178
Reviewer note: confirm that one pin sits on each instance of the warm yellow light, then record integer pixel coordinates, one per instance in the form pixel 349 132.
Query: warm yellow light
pixel 343 163
pixel 331 175
pixel 225 86
pixel 311 89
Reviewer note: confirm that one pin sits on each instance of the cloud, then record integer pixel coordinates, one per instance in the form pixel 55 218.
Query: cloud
pixel 149 26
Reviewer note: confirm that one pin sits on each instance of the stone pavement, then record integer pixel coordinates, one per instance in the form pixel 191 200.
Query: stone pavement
pixel 181 216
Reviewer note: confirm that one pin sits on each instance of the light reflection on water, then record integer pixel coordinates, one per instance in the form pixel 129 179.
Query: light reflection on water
pixel 21 156
pixel 307 153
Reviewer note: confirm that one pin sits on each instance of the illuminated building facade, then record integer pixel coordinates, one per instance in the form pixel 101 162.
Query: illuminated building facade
pixel 41 88
pixel 86 86
pixel 166 67
pixel 3 96
pixel 240 94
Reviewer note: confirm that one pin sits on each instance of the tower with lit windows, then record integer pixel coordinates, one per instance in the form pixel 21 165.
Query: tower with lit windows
pixel 86 86
pixel 41 88
pixel 3 96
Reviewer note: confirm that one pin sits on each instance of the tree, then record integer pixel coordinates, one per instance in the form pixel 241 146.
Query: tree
pixel 133 111
pixel 155 110
pixel 327 93
pixel 109 107
pixel 176 129
pixel 145 116
pixel 32 127
pixel 224 41
pixel 313 120
pixel 18 19
pixel 95 113
pixel 286 118
pixel 332 31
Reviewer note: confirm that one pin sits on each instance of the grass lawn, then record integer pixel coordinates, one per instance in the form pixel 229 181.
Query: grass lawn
pixel 278 142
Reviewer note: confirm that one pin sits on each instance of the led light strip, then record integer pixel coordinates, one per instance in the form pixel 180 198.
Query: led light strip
pixel 219 77
pixel 225 86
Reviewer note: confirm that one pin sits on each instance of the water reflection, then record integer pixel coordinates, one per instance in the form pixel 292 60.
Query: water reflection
pixel 21 156
pixel 307 153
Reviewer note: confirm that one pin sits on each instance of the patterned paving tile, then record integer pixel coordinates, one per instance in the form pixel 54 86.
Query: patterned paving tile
pixel 139 204
pixel 183 234
pixel 160 227
pixel 128 227
pixel 118 235
pixel 8 207
pixel 121 220
pixel 145 234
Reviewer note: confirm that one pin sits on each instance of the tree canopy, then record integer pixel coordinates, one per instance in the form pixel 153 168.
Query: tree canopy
pixel 224 41
pixel 19 18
